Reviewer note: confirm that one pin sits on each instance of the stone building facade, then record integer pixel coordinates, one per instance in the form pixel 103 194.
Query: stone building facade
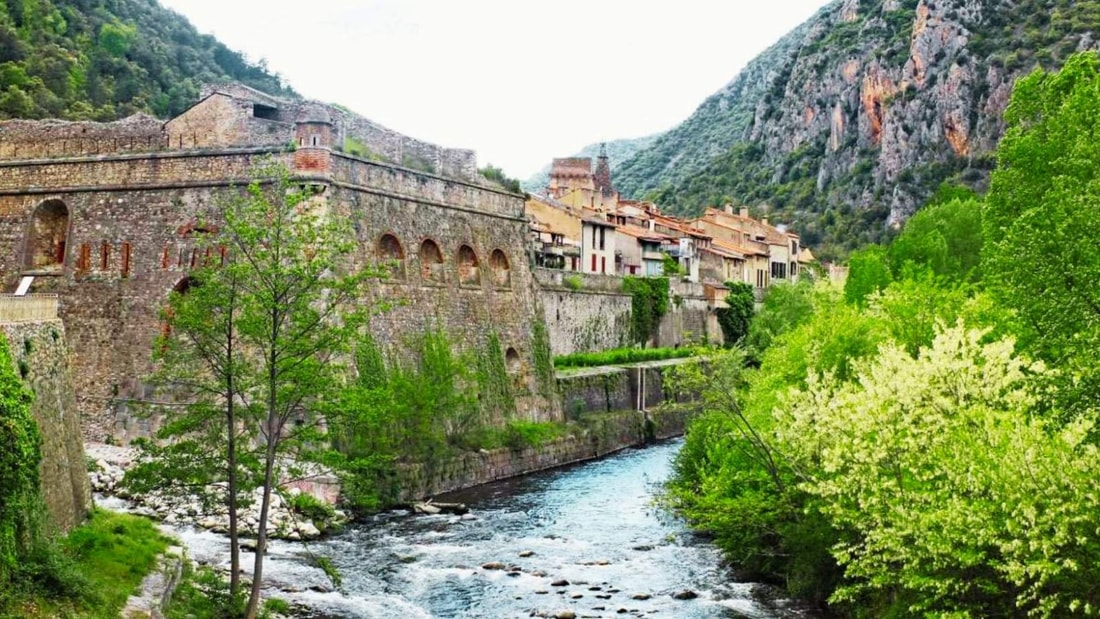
pixel 102 215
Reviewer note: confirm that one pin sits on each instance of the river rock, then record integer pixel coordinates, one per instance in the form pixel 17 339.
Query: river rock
pixel 561 582
pixel 493 565
pixel 686 594
pixel 643 547
pixel 640 596
pixel 523 554
pixel 308 530
pixel 565 614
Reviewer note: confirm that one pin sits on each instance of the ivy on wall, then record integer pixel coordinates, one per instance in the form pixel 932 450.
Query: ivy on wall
pixel 19 481
pixel 544 363
pixel 494 385
pixel 649 302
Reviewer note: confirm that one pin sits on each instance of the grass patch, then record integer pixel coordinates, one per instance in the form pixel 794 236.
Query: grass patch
pixel 88 574
pixel 514 435
pixel 625 355
pixel 309 506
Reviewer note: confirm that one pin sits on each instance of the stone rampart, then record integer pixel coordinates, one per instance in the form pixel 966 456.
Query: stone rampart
pixel 608 433
pixel 589 312
pixel 39 352
pixel 404 150
pixel 121 241
pixel 38 139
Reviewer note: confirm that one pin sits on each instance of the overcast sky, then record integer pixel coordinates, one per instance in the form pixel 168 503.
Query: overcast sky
pixel 519 81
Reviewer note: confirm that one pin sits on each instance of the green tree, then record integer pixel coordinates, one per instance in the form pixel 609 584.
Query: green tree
pixel 868 272
pixel 944 237
pixel 785 307
pixel 259 342
pixel 951 498
pixel 1042 218
pixel 735 319
pixel 202 360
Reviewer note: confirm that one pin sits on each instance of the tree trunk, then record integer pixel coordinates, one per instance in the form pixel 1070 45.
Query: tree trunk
pixel 261 532
pixel 231 490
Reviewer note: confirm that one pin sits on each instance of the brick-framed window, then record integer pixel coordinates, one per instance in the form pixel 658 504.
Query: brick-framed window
pixel 124 259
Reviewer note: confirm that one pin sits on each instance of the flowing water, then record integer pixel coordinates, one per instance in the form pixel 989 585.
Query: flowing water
pixel 592 525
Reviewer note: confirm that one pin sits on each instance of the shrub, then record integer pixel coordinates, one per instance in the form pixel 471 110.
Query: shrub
pixel 310 507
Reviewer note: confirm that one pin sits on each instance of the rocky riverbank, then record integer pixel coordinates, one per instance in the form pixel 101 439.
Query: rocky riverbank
pixel 108 464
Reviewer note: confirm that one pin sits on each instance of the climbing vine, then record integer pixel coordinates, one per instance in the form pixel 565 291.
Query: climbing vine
pixel 19 457
pixel 649 302
pixel 544 363
pixel 493 383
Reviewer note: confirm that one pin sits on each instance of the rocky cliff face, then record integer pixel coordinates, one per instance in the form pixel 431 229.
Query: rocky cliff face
pixel 852 120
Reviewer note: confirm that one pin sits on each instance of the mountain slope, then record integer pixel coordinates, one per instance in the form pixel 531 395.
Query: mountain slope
pixel 618 151
pixel 853 119
pixel 104 59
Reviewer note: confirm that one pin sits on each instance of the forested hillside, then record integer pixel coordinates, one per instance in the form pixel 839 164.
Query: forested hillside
pixel 855 118
pixel 618 151
pixel 105 59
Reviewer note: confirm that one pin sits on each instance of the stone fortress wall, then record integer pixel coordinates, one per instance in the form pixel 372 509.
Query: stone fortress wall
pixel 587 312
pixel 104 221
pixel 38 351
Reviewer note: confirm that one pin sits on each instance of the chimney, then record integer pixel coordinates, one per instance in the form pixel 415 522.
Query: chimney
pixel 729 209
pixel 744 212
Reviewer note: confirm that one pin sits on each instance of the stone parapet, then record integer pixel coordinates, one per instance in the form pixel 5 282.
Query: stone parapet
pixel 28 308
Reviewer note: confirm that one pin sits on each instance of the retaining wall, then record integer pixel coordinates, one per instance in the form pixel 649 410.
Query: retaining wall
pixel 604 411
pixel 40 355
pixel 587 312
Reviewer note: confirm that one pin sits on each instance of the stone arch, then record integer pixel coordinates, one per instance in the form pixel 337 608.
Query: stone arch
pixel 512 361
pixel 391 255
pixel 469 269
pixel 501 270
pixel 431 261
pixel 184 285
pixel 48 235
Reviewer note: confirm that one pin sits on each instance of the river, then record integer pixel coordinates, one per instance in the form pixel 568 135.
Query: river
pixel 592 525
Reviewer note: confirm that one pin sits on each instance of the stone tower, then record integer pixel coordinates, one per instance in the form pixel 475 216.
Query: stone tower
pixel 602 177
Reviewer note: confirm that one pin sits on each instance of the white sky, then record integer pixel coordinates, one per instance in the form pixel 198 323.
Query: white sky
pixel 519 81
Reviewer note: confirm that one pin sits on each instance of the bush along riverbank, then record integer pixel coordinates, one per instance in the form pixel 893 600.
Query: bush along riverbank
pixel 924 442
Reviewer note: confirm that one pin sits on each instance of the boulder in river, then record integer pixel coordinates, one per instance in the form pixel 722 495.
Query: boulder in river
pixel 493 565
pixel 686 594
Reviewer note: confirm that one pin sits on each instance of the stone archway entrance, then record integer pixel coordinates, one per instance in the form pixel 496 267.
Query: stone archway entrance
pixel 47 237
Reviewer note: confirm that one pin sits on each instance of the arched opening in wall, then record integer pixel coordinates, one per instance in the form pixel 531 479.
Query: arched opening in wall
pixel 469 271
pixel 48 236
pixel 391 256
pixel 512 361
pixel 514 365
pixel 431 261
pixel 498 264
pixel 183 286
